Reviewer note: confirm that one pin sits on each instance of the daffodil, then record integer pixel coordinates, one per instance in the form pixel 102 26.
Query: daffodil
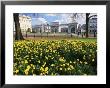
pixel 92 60
pixel 60 68
pixel 52 65
pixel 16 71
pixel 26 61
pixel 46 69
pixel 47 57
pixel 26 71
pixel 85 63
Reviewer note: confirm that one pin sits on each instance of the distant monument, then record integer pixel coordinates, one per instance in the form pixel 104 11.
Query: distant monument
pixel 72 26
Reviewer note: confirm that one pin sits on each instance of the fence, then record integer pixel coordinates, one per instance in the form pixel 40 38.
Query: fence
pixel 64 35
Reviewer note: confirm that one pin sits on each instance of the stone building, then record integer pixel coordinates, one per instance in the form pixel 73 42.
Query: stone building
pixel 92 25
pixel 25 23
pixel 54 27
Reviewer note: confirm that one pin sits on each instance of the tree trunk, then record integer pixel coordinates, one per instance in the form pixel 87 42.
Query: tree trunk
pixel 94 33
pixel 18 34
pixel 87 23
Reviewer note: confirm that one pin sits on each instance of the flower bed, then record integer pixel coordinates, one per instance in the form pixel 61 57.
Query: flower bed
pixel 60 57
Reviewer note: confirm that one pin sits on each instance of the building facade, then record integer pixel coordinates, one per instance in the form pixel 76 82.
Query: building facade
pixel 25 23
pixel 92 25
pixel 41 28
pixel 54 27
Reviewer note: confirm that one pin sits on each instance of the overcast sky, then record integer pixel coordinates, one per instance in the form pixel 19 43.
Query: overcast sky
pixel 62 18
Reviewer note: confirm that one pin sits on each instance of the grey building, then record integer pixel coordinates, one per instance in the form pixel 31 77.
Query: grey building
pixel 92 25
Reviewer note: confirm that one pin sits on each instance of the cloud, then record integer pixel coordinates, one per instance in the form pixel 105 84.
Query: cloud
pixel 57 21
pixel 39 21
pixel 51 14
pixel 42 20
pixel 65 19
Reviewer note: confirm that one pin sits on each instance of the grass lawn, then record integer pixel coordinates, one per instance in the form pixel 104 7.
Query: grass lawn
pixel 88 39
pixel 63 38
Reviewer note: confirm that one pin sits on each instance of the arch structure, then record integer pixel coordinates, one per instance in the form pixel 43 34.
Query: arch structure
pixel 72 27
pixel 68 28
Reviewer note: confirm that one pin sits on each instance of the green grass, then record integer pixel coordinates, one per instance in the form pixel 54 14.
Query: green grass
pixel 87 39
pixel 63 38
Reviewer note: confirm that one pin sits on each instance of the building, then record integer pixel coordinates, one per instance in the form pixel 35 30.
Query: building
pixel 72 25
pixel 55 27
pixel 69 27
pixel 92 25
pixel 83 27
pixel 37 28
pixel 25 23
pixel 63 28
pixel 41 28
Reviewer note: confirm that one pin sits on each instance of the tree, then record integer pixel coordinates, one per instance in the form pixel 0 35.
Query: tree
pixel 47 29
pixel 18 34
pixel 87 23
pixel 76 15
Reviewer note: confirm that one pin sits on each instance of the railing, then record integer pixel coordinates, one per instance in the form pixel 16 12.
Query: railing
pixel 56 35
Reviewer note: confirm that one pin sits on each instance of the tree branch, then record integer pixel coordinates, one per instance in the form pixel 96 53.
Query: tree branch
pixel 92 16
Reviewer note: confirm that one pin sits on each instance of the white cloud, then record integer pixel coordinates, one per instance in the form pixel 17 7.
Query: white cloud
pixel 39 21
pixel 42 20
pixel 65 19
pixel 57 21
pixel 51 14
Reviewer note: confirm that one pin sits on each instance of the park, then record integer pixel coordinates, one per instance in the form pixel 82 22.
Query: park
pixel 55 48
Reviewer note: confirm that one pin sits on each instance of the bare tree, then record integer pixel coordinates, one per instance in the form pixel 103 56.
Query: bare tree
pixel 87 23
pixel 47 29
pixel 18 34
pixel 76 15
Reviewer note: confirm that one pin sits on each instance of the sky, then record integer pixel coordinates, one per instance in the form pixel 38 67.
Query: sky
pixel 62 18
